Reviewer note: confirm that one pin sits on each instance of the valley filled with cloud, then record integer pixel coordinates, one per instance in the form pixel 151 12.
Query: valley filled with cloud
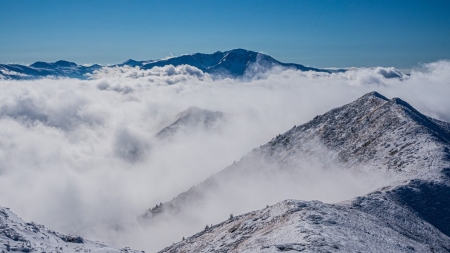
pixel 82 156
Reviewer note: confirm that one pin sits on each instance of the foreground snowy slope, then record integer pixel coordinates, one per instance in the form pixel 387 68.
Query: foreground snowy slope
pixel 20 236
pixel 373 223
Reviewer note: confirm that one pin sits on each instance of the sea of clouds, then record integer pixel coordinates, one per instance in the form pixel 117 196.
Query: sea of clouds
pixel 80 157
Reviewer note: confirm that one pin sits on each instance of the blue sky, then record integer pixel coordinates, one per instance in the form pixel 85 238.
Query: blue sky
pixel 316 33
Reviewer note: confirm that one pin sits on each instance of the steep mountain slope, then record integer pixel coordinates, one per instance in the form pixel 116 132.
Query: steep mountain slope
pixel 193 119
pixel 18 235
pixel 371 134
pixel 388 134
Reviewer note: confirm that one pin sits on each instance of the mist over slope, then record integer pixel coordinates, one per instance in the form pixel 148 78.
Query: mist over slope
pixel 79 155
pixel 191 120
pixel 350 151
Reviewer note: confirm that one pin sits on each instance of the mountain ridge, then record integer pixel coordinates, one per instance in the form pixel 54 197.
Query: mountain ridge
pixel 388 134
pixel 359 116
pixel 371 223
pixel 229 63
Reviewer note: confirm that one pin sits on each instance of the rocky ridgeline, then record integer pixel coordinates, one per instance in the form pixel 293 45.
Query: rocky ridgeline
pixel 373 223
pixel 388 134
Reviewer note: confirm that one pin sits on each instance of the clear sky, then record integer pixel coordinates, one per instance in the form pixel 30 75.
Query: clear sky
pixel 325 33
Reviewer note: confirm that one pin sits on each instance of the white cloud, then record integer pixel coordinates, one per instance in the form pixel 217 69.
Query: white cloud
pixel 78 155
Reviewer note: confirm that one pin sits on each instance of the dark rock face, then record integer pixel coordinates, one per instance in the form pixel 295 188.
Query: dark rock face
pixel 429 200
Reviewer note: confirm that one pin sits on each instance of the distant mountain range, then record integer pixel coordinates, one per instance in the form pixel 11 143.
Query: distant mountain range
pixel 44 69
pixel 229 63
pixel 232 63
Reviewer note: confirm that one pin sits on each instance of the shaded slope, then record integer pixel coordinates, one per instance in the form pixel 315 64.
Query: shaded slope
pixel 193 119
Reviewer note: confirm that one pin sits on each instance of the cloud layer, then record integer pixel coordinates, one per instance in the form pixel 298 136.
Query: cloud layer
pixel 80 155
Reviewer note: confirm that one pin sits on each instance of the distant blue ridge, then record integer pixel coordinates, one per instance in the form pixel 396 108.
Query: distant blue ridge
pixel 233 63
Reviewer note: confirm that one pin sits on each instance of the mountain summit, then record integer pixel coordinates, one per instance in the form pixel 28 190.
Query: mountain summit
pixel 233 63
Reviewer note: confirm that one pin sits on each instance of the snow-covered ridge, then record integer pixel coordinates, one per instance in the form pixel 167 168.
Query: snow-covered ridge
pixel 374 223
pixel 410 213
pixel 389 134
pixel 21 236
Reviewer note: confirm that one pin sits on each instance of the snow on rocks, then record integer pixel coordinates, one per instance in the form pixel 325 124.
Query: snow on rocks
pixel 313 226
pixel 18 235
